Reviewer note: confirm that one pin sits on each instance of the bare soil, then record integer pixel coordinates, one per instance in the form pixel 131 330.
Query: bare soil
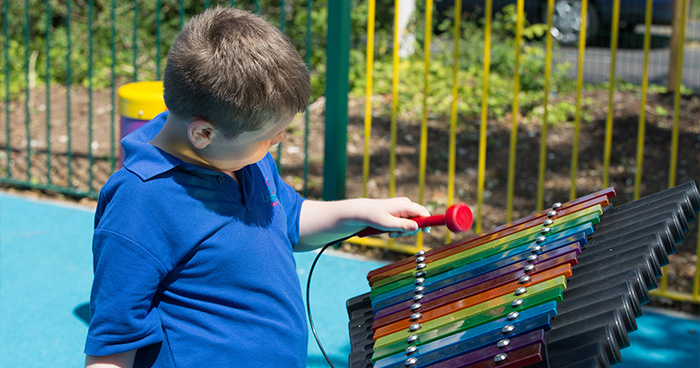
pixel 80 155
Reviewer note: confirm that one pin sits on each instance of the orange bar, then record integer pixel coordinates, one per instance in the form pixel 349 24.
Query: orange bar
pixel 494 233
pixel 479 239
pixel 472 300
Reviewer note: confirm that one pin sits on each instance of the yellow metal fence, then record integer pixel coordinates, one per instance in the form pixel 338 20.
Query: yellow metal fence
pixel 513 156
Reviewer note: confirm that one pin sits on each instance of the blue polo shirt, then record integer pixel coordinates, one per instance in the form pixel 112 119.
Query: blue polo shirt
pixel 193 268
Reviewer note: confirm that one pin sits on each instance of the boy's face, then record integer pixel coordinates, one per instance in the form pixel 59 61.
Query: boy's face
pixel 248 148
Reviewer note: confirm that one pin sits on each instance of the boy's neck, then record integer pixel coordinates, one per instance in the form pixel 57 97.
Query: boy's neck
pixel 172 139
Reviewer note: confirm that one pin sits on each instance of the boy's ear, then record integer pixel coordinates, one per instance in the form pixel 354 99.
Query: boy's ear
pixel 200 133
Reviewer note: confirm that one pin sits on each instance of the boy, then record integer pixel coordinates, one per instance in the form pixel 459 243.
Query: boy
pixel 194 236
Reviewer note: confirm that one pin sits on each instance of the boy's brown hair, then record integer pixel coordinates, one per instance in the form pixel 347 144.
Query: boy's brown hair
pixel 235 70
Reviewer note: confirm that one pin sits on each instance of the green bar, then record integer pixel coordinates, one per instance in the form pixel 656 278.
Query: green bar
pixel 91 158
pixel 182 13
pixel 135 46
pixel 27 116
pixel 50 187
pixel 69 77
pixel 338 65
pixel 550 290
pixel 482 251
pixel 282 15
pixel 112 125
pixel 8 149
pixel 47 36
pixel 158 42
pixel 306 115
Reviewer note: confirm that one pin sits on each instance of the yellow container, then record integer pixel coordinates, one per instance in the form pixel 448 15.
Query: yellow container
pixel 139 102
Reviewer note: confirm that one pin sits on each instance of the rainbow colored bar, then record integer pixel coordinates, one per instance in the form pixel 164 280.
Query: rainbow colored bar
pixel 501 279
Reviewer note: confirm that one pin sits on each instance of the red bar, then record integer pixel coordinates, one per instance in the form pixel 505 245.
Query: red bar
pixel 495 233
pixel 461 300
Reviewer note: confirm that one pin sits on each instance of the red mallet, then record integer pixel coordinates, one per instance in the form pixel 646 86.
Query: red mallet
pixel 458 218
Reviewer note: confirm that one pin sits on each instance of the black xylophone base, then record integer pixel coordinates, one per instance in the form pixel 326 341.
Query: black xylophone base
pixel 616 269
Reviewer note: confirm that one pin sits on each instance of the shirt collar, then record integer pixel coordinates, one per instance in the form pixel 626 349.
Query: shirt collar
pixel 143 158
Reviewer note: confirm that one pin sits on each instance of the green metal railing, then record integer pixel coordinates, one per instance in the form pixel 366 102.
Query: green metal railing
pixel 62 136
pixel 87 48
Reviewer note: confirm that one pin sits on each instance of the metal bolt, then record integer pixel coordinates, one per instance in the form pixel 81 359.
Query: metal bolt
pixel 540 239
pixel 420 252
pixel 414 327
pixel 557 205
pixel 520 291
pixel 536 249
pixel 517 303
pixel 419 289
pixel 545 230
pixel 420 259
pixel 529 268
pixel 417 297
pixel 499 358
pixel 503 343
pixel 420 281
pixel 416 316
pixel 411 339
pixel 508 329
pixel 410 362
pixel 420 266
pixel 420 274
pixel 532 258
pixel 548 222
pixel 524 279
pixel 551 214
pixel 411 350
pixel 513 315
pixel 415 307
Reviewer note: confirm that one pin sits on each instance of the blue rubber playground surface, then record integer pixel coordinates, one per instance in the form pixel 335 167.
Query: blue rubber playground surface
pixel 46 272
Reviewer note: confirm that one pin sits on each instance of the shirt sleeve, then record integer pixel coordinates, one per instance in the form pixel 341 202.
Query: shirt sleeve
pixel 121 302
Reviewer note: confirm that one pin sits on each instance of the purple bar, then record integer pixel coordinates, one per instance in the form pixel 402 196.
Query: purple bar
pixel 488 353
pixel 511 272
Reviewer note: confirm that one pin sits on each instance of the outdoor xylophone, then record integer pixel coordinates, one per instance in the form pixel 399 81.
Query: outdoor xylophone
pixel 560 288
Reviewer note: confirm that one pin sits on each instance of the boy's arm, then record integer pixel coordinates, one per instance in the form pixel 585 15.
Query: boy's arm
pixel 324 222
pixel 120 360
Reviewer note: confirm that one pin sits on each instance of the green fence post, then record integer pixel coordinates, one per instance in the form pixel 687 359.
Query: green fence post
pixel 338 65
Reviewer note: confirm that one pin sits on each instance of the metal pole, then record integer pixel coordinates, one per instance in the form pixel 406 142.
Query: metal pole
pixel 338 65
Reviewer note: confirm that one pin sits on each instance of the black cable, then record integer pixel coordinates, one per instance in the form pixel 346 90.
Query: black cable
pixel 308 288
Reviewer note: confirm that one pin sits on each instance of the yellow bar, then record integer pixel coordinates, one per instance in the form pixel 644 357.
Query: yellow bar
pixel 484 115
pixel 676 108
pixel 368 94
pixel 543 138
pixel 674 295
pixel 453 117
pixel 577 120
pixel 516 113
pixel 394 106
pixel 424 122
pixel 611 90
pixel 382 243
pixel 645 86
pixel 677 101
pixel 394 102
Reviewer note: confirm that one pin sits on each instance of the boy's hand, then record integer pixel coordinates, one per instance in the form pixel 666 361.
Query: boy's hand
pixel 393 215
pixel 323 222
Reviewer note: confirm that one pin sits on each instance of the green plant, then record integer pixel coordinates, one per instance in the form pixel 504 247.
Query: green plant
pixel 469 70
